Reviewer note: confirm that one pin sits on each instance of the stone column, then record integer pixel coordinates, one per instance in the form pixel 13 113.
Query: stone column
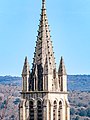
pixel 57 111
pixel 68 113
pixel 24 110
pixel 63 113
pixel 51 112
pixel 47 110
pixel 35 110
pixel 21 111
pixel 27 110
pixel 44 112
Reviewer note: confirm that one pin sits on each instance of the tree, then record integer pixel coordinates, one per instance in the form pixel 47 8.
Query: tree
pixel 72 111
pixel 88 112
pixel 77 118
pixel 82 112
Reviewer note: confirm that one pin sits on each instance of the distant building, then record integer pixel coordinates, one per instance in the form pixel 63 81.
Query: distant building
pixel 44 90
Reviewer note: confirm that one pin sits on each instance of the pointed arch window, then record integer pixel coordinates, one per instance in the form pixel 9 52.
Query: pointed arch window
pixel 39 110
pixel 40 77
pixel 31 110
pixel 60 111
pixel 55 111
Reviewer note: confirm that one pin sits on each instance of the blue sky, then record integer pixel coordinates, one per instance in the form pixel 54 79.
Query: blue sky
pixel 69 22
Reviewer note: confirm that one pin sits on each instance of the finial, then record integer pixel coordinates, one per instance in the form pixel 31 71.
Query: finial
pixel 43 1
pixel 43 4
pixel 61 58
pixel 26 58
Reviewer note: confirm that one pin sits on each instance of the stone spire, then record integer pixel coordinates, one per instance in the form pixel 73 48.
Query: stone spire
pixel 62 69
pixel 26 68
pixel 44 55
pixel 44 44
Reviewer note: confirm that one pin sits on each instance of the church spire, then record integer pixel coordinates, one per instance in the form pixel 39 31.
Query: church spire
pixel 44 44
pixel 62 69
pixel 43 52
pixel 43 88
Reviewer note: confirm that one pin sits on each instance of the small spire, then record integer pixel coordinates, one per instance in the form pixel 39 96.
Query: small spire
pixel 62 69
pixel 26 68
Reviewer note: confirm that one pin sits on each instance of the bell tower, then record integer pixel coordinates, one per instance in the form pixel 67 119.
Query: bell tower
pixel 44 90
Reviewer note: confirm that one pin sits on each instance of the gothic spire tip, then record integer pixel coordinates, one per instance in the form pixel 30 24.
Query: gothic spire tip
pixel 26 58
pixel 43 3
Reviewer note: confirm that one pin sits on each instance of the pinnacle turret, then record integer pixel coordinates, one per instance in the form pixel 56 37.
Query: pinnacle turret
pixel 62 69
pixel 26 68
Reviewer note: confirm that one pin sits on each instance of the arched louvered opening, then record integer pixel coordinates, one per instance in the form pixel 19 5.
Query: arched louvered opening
pixel 27 109
pixel 39 111
pixel 40 78
pixel 49 110
pixel 55 111
pixel 60 111
pixel 31 110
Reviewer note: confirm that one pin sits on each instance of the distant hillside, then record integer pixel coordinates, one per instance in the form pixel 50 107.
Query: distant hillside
pixel 79 82
pixel 9 80
pixel 75 82
pixel 10 98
